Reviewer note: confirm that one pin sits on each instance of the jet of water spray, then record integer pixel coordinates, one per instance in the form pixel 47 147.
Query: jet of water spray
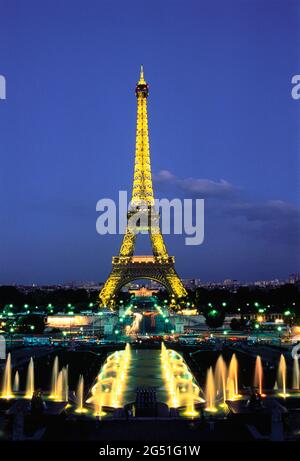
pixel 16 386
pixel 258 375
pixel 210 391
pixel 30 380
pixel 281 375
pixel 220 377
pixel 6 385
pixel 233 373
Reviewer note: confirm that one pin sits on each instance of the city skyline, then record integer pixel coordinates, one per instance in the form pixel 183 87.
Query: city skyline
pixel 220 129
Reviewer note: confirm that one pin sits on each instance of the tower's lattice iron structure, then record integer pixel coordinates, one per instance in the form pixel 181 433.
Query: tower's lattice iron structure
pixel 126 266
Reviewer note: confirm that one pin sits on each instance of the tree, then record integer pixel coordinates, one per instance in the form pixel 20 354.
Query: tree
pixel 32 323
pixel 238 324
pixel 214 317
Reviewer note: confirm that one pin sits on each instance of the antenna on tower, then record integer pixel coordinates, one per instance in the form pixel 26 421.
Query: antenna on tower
pixel 142 79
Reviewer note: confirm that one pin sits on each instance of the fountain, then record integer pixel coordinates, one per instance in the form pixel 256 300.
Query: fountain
pixel 65 371
pixel 281 376
pixel 62 390
pixel 182 390
pixel 30 380
pixel 190 402
pixel 230 390
pixel 54 379
pixel 296 380
pixel 16 385
pixel 59 383
pixel 6 385
pixel 233 375
pixel 98 401
pixel 79 396
pixel 108 389
pixel 220 377
pixel 258 375
pixel 210 391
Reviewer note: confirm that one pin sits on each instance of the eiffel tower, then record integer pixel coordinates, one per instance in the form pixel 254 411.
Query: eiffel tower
pixel 160 266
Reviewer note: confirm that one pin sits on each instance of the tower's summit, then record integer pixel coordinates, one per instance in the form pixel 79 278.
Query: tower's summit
pixel 142 88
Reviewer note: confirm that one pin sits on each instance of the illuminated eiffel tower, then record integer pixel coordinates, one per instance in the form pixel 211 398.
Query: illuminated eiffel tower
pixel 126 266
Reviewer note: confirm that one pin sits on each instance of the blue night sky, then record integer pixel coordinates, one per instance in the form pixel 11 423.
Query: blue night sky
pixel 223 127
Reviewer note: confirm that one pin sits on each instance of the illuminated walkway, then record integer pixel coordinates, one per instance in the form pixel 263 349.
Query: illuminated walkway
pixel 145 370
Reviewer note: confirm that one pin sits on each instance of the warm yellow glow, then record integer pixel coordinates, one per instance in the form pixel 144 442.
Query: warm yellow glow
pixel 232 379
pixel 281 376
pixel 59 383
pixel 283 394
pixel 188 312
pixel 61 321
pixel 81 410
pixel 182 390
pixel 258 375
pixel 6 387
pixel 111 381
pixel 211 409
pixel 220 377
pixel 210 391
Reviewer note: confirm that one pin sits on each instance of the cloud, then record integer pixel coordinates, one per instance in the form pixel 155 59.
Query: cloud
pixel 202 188
pixel 272 210
pixel 164 176
pixel 275 221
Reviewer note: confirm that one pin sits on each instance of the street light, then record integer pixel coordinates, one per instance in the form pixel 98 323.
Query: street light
pixel 116 333
pixel 11 330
